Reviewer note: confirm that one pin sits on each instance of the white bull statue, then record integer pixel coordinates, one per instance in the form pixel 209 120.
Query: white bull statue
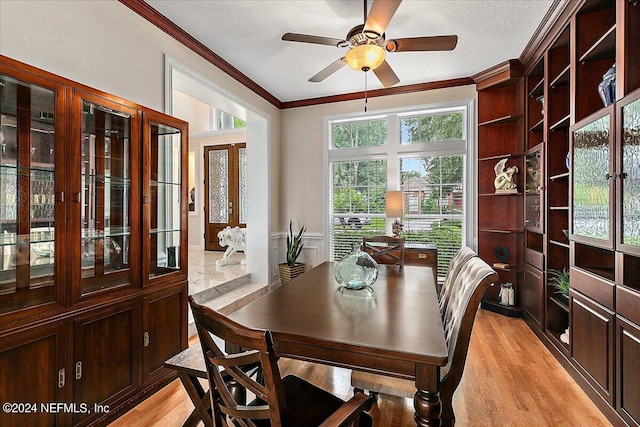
pixel 234 239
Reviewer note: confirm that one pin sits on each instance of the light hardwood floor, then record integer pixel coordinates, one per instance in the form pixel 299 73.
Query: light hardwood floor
pixel 510 379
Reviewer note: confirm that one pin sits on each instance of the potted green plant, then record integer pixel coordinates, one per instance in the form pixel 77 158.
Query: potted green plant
pixel 290 269
pixel 560 280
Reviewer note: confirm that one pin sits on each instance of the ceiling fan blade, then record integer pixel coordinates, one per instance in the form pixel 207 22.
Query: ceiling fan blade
pixel 332 68
pixel 380 14
pixel 305 38
pixel 415 44
pixel 386 75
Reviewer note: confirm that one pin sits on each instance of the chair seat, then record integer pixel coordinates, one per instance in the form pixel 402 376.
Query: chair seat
pixel 383 384
pixel 309 405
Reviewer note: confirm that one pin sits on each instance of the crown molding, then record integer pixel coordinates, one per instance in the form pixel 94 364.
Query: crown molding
pixel 551 26
pixel 419 87
pixel 143 9
pixel 501 73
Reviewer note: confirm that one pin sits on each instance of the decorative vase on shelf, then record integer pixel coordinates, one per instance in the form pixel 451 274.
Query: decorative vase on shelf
pixel 607 87
pixel 357 270
pixel 540 99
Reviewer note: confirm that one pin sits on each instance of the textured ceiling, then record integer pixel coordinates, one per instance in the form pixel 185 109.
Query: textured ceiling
pixel 247 34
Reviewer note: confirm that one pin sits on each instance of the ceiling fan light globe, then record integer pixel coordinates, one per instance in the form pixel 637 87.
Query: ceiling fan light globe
pixel 365 56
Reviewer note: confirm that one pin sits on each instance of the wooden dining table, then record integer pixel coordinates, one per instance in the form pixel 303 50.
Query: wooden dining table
pixel 395 329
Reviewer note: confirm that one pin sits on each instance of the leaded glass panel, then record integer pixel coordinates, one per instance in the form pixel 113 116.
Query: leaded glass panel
pixel 591 190
pixel 218 186
pixel 631 171
pixel 243 185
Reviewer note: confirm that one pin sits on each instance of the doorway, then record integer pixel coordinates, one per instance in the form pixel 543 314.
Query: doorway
pixel 225 189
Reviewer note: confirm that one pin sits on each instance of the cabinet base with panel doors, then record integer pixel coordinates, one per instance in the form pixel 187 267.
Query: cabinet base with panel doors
pixel 93 277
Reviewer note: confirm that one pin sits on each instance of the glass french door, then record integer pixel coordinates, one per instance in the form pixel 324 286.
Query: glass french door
pixel 31 120
pixel 226 190
pixel 107 218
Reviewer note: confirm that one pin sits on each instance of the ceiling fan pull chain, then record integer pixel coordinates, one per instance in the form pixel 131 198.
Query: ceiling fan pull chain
pixel 365 92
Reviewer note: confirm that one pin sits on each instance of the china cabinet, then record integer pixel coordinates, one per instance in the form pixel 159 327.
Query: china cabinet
pixel 93 271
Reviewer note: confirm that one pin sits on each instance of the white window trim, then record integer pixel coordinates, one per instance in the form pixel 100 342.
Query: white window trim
pixel 407 150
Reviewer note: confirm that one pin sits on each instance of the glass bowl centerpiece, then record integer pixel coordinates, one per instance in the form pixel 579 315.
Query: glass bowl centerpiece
pixel 357 270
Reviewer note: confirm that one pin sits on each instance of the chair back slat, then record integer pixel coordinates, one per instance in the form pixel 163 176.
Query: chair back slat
pixel 383 249
pixel 259 350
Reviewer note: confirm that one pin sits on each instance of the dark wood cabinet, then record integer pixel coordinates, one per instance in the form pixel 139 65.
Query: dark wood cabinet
pixel 533 293
pixel 106 346
pixel 34 369
pixel 164 318
pixel 592 343
pixel 93 262
pixel 628 368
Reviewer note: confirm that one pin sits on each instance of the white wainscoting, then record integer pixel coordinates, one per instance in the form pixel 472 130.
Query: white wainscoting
pixel 313 252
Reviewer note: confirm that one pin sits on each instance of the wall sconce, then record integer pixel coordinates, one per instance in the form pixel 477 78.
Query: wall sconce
pixel 395 209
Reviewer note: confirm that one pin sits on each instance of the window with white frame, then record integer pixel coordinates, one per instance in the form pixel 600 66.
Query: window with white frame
pixel 421 152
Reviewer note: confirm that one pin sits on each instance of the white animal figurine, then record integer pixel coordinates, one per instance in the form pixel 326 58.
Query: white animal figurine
pixel 504 177
pixel 235 239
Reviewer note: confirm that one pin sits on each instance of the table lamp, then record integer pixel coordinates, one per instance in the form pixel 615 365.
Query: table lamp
pixel 395 209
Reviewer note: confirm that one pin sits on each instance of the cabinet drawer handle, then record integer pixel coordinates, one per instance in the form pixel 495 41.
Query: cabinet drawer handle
pixel 146 339
pixel 78 369
pixel 422 256
pixel 61 378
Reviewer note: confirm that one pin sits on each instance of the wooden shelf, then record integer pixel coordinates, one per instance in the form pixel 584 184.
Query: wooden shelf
pixel 537 127
pixel 537 90
pixel 564 175
pixel 500 120
pixel 493 230
pixel 557 243
pixel 510 311
pixel 562 78
pixel 603 48
pixel 559 303
pixel 499 157
pixel 499 194
pixel 560 124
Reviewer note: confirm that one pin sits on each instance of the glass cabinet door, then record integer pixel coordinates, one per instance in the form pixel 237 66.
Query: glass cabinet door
pixel 629 169
pixel 30 134
pixel 533 190
pixel 107 215
pixel 593 180
pixel 165 196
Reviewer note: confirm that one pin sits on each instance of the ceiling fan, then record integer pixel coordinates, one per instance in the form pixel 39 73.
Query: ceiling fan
pixel 368 46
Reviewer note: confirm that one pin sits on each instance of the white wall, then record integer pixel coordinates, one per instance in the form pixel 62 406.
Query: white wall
pixel 105 45
pixel 303 181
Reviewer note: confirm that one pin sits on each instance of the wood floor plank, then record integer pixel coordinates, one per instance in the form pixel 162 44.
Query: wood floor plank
pixel 510 379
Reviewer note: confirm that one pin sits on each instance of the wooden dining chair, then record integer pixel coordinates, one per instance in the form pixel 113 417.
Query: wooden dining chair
pixel 457 262
pixel 385 249
pixel 474 278
pixel 286 402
